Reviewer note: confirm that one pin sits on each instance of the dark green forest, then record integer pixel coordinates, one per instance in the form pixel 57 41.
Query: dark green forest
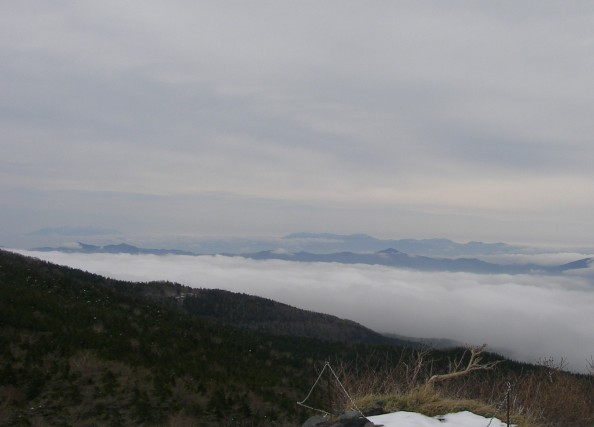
pixel 77 348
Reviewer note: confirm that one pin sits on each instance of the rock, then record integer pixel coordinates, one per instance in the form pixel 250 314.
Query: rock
pixel 349 415
pixel 354 422
pixel 316 421
pixel 377 409
pixel 348 419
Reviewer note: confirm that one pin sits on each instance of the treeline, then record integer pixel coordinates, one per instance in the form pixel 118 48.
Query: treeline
pixel 265 315
pixel 257 313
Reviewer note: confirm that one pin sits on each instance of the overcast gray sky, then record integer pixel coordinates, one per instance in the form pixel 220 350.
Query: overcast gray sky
pixel 459 119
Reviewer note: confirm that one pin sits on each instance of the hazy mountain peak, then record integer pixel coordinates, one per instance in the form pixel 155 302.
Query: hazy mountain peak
pixel 329 236
pixel 73 231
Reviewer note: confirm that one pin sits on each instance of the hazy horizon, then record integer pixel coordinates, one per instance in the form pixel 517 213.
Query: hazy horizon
pixel 436 246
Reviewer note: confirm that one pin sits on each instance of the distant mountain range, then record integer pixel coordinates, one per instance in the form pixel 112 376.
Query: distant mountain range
pixel 388 257
pixel 394 258
pixel 296 242
pixel 122 248
pixel 316 242
pixel 329 243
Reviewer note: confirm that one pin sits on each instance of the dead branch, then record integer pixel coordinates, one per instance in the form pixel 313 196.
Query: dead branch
pixel 415 366
pixel 475 363
pixel 552 366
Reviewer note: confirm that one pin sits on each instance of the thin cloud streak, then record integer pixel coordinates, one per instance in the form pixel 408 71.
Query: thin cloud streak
pixel 525 316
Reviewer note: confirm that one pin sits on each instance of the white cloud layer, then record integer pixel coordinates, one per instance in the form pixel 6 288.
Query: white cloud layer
pixel 526 316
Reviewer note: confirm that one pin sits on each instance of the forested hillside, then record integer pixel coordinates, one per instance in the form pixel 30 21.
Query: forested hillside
pixel 260 314
pixel 77 348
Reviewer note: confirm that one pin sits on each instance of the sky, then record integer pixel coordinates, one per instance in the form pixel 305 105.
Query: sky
pixel 470 120
pixel 526 317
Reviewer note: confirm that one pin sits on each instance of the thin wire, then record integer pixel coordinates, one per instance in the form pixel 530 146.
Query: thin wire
pixel 344 390
pixel 327 365
pixel 302 403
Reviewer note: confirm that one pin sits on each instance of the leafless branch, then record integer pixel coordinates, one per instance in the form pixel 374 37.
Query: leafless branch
pixel 475 363
pixel 590 362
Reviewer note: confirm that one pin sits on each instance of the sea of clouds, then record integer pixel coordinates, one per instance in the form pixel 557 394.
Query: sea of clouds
pixel 526 317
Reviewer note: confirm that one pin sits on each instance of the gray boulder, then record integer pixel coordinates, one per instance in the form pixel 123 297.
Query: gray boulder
pixel 377 409
pixel 347 419
pixel 316 421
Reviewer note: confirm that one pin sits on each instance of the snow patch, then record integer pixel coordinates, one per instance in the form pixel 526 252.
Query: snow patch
pixel 413 419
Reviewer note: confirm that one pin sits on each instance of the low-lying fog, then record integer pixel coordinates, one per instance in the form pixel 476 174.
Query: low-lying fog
pixel 527 317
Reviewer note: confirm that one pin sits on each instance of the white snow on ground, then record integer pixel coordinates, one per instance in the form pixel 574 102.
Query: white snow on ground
pixel 412 419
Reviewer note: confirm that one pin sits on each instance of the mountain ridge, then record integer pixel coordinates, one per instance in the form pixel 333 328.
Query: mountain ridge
pixel 389 257
pixel 394 258
pixel 120 248
pixel 263 314
pixel 431 246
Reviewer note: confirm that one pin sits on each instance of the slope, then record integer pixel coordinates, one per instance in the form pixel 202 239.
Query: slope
pixel 260 314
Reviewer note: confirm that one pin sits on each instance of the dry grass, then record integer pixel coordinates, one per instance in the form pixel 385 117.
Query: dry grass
pixel 430 402
pixel 541 396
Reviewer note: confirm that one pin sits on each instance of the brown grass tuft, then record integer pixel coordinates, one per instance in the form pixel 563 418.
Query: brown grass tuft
pixel 539 396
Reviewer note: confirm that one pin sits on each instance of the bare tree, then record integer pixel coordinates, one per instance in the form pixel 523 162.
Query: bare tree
pixel 415 367
pixel 590 365
pixel 552 366
pixel 456 369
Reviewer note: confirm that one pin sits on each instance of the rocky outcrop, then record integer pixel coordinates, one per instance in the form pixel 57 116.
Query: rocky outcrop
pixel 348 419
pixel 376 409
